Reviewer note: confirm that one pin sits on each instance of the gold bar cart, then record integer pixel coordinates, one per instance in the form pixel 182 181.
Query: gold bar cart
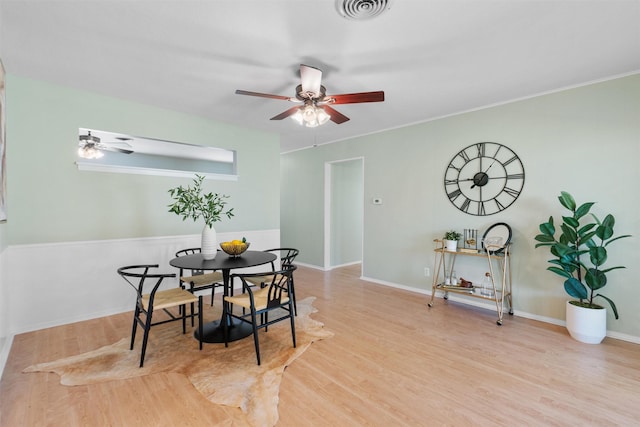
pixel 501 260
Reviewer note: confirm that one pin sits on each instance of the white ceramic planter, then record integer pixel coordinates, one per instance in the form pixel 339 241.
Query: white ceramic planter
pixel 451 245
pixel 209 243
pixel 587 325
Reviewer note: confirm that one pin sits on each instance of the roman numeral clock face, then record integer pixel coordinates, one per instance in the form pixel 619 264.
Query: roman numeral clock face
pixel 484 178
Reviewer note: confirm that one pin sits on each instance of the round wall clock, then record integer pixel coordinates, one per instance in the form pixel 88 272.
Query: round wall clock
pixel 484 178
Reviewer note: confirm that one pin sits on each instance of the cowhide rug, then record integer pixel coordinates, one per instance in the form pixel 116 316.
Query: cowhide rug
pixel 225 376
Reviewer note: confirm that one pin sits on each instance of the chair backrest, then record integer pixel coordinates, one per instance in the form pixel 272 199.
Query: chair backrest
pixel 278 282
pixel 285 255
pixel 136 275
pixel 189 251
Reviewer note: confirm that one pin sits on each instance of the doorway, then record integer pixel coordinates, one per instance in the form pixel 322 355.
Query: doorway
pixel 343 212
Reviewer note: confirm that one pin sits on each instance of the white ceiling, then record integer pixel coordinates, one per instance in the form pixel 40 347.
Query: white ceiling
pixel 432 58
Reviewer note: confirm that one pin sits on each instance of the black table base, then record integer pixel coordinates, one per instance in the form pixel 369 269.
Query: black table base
pixel 214 333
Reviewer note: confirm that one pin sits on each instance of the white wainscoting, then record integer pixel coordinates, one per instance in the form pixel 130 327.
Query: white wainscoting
pixel 59 283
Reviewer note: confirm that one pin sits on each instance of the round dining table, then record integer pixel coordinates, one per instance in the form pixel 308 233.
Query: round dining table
pixel 213 332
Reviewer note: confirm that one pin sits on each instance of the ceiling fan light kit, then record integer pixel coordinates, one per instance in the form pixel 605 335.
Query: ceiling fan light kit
pixel 87 149
pixel 315 110
pixel 91 147
pixel 310 116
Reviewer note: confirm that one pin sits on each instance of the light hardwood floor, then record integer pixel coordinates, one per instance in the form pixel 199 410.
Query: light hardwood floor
pixel 393 362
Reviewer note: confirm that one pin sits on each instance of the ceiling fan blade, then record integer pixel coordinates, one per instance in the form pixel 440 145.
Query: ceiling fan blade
pixel 114 149
pixel 310 77
pixel 336 116
pixel 123 151
pixel 265 95
pixel 354 98
pixel 116 144
pixel 290 112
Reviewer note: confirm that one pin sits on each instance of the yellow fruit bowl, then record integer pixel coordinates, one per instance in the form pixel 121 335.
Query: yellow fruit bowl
pixel 234 248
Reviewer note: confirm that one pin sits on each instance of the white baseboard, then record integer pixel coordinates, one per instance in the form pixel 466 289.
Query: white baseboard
pixel 479 303
pixel 333 267
pixel 315 267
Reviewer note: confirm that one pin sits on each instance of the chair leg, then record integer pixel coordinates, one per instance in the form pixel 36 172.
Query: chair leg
pixel 184 317
pixel 213 293
pixel 293 325
pixel 293 296
pixel 200 329
pixel 147 327
pixel 255 335
pixel 134 327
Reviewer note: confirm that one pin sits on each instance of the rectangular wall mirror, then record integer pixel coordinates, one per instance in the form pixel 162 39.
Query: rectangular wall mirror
pixel 115 152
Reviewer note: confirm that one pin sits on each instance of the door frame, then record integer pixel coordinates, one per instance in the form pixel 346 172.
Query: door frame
pixel 328 179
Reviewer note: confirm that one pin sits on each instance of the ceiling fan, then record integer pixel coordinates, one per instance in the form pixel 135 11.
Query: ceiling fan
pixel 316 104
pixel 90 146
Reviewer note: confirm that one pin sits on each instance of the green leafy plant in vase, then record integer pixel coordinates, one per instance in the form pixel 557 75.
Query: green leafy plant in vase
pixel 580 252
pixel 193 203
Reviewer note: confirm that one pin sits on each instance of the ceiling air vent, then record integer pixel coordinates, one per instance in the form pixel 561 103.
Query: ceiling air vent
pixel 360 10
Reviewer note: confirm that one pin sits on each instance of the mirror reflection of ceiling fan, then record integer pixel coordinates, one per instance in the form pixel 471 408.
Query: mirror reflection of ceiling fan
pixel 91 147
pixel 316 104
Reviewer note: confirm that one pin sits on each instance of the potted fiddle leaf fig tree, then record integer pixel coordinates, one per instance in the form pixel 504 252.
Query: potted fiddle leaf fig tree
pixel 579 255
pixel 191 202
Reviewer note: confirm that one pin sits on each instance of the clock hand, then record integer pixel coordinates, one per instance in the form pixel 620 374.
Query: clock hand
pixel 482 177
pixel 494 160
pixel 479 181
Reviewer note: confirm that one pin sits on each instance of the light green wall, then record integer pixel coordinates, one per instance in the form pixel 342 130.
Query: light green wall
pixel 49 200
pixel 584 140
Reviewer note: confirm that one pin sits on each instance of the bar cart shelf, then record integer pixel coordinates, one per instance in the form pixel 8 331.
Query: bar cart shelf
pixel 499 260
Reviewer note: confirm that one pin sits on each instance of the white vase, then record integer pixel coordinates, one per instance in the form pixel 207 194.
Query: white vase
pixel 587 325
pixel 451 245
pixel 209 243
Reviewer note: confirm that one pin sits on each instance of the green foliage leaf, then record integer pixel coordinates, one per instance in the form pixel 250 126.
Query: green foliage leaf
pixel 544 238
pixel 598 255
pixel 606 270
pixel 604 232
pixel 547 228
pixel 587 239
pixel 583 230
pixel 612 304
pixel 570 233
pixel 559 271
pixel 609 221
pixel 560 250
pixel 575 289
pixel 583 210
pixel 616 238
pixel 567 201
pixel 595 279
pixel 571 221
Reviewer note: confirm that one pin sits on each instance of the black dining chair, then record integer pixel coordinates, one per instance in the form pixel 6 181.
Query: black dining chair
pixel 149 298
pixel 285 256
pixel 272 297
pixel 198 280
